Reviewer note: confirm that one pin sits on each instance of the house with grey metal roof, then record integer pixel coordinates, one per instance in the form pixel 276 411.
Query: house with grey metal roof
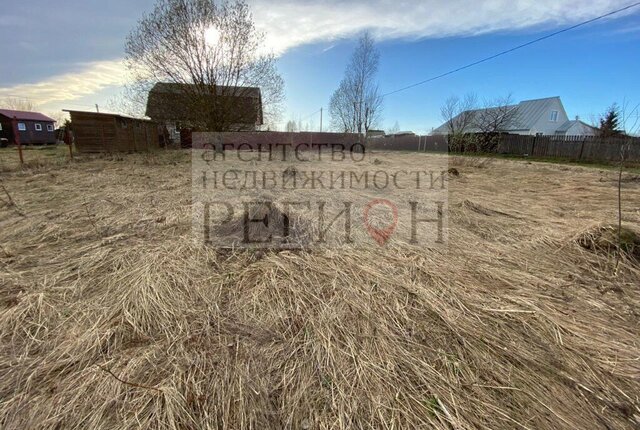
pixel 540 116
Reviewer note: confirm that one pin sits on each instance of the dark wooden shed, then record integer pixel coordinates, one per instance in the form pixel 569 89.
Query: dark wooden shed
pixel 33 127
pixel 108 132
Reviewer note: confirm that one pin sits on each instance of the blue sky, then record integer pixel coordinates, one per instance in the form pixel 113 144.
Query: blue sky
pixel 70 59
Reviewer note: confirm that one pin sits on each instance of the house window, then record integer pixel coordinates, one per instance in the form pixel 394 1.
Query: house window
pixel 38 127
pixel 49 127
pixel 22 126
pixel 0 126
pixel 554 116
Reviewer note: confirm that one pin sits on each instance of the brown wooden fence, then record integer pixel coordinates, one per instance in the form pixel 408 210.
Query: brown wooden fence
pixel 576 148
pixel 409 143
pixel 247 140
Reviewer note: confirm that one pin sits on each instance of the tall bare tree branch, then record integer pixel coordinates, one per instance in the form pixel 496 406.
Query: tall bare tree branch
pixel 356 105
pixel 214 50
pixel 459 116
pixel 16 103
pixel 498 115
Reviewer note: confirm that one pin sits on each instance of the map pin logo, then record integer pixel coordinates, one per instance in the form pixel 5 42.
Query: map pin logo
pixel 381 235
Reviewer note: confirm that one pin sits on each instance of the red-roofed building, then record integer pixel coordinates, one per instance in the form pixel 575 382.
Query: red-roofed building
pixel 33 127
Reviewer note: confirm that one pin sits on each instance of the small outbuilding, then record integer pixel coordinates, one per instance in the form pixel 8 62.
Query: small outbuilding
pixel 33 128
pixel 108 132
pixel 178 106
pixel 576 128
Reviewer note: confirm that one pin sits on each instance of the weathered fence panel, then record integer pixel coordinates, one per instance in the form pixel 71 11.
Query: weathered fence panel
pixel 262 139
pixel 587 148
pixel 575 148
pixel 436 143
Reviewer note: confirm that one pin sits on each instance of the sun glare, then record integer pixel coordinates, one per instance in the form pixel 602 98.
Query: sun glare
pixel 211 36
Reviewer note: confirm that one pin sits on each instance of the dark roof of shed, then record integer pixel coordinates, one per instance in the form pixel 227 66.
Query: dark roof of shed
pixel 115 115
pixel 221 90
pixel 25 116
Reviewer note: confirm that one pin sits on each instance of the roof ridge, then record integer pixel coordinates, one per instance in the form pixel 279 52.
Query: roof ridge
pixel 540 99
pixel 26 115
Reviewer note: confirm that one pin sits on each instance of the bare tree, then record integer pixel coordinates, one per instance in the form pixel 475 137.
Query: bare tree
pixel 630 118
pixel 131 100
pixel 395 129
pixel 459 116
pixel 213 50
pixel 356 106
pixel 58 116
pixel 625 118
pixel 18 103
pixel 291 126
pixel 498 115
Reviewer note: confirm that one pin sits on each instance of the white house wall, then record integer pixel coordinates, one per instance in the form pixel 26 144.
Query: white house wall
pixel 544 125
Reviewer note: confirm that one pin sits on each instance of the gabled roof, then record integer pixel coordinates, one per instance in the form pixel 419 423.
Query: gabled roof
pixel 221 90
pixel 25 116
pixel 530 111
pixel 567 125
pixel 115 115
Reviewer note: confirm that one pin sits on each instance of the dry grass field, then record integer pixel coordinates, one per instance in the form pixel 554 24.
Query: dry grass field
pixel 112 317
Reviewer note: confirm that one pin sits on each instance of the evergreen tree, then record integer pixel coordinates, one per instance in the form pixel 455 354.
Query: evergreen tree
pixel 609 122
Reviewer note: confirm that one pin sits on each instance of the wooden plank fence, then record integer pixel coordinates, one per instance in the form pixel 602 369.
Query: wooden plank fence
pixel 575 148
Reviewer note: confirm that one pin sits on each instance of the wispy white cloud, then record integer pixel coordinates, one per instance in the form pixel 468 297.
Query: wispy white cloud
pixel 292 23
pixel 629 29
pixel 329 48
pixel 90 79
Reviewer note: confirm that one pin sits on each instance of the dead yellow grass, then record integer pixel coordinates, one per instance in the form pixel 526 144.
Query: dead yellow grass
pixel 112 317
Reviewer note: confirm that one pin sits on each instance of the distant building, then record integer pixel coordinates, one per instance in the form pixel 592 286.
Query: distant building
pixel 576 128
pixel 33 128
pixel 375 133
pixel 402 133
pixel 532 117
pixel 177 106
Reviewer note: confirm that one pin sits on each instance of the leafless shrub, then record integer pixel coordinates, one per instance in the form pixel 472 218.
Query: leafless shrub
pixel 498 115
pixel 18 103
pixel 459 116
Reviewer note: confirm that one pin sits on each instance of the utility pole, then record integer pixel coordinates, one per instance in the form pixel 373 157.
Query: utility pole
pixel 320 120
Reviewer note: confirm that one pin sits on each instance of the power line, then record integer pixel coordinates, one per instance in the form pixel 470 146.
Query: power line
pixel 515 48
pixel 475 63
pixel 310 115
